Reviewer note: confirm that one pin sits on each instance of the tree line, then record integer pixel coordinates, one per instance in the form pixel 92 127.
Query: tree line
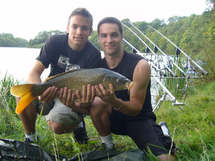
pixel 8 40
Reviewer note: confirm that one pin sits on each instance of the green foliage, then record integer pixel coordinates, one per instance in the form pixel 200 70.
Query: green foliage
pixel 157 23
pixel 6 100
pixel 8 118
pixel 193 127
pixel 94 39
pixel 8 40
pixel 41 38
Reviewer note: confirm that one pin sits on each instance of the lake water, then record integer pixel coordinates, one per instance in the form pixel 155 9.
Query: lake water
pixel 17 62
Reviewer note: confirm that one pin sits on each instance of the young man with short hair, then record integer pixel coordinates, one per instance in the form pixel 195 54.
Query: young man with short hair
pixel 63 53
pixel 126 112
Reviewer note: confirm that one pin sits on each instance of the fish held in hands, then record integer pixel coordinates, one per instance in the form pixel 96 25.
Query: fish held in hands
pixel 72 79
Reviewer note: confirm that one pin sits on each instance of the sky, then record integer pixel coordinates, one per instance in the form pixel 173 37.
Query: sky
pixel 26 18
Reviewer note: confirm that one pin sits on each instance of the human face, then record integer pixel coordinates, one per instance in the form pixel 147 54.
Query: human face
pixel 110 39
pixel 79 29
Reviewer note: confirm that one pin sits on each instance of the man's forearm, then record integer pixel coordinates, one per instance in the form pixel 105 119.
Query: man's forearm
pixel 125 107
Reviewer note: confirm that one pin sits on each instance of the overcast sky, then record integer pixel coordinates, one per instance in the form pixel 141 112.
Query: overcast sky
pixel 26 18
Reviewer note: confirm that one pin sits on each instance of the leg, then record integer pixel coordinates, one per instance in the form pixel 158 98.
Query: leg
pixel 29 116
pixel 99 113
pixel 166 157
pixel 61 119
pixel 59 128
pixel 146 134
pixel 80 133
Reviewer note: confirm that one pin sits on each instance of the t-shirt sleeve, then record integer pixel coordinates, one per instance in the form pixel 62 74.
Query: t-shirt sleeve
pixel 96 60
pixel 94 57
pixel 46 53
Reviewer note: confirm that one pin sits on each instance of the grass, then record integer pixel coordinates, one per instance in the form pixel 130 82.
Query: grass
pixel 192 129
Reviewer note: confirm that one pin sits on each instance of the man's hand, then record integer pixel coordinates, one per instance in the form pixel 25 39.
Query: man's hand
pixel 48 95
pixel 79 102
pixel 86 97
pixel 66 96
pixel 107 95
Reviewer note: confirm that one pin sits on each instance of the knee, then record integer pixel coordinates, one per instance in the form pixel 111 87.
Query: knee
pixel 56 127
pixel 166 157
pixel 97 108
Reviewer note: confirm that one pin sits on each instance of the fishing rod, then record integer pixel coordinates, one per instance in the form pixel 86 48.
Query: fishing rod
pixel 162 98
pixel 129 44
pixel 172 98
pixel 166 91
pixel 149 61
pixel 157 48
pixel 180 50
pixel 172 73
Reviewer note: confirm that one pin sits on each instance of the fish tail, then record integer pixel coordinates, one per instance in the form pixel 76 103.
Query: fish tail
pixel 25 92
pixel 130 85
pixel 24 102
pixel 21 90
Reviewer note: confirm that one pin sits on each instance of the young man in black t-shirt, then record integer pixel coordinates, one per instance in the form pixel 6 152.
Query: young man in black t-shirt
pixel 63 53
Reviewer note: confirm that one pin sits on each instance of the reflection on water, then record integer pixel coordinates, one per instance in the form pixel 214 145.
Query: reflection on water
pixel 18 62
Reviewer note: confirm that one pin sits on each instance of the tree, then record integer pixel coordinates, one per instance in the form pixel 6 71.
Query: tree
pixel 157 23
pixel 8 40
pixel 41 38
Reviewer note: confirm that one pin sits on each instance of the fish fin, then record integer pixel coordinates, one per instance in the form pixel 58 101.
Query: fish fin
pixel 130 85
pixel 60 74
pixel 21 90
pixel 24 102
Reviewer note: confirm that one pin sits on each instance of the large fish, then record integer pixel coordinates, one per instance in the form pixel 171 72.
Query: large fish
pixel 73 80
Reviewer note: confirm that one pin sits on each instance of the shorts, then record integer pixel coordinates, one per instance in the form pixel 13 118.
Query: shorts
pixel 58 112
pixel 143 131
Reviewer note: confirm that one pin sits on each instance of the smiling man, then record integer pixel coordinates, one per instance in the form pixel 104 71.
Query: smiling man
pixel 63 53
pixel 127 112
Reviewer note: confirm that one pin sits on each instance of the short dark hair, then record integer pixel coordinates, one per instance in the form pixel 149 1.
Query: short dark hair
pixel 82 12
pixel 111 20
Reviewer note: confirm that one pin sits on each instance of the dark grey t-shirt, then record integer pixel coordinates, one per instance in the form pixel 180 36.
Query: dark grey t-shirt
pixel 57 53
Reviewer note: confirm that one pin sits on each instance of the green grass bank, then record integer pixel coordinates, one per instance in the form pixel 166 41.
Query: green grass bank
pixel 192 126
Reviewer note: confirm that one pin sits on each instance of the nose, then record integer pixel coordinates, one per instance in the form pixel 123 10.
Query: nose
pixel 79 30
pixel 109 38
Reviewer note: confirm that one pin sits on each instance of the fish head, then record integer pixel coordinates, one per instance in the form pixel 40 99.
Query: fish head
pixel 118 81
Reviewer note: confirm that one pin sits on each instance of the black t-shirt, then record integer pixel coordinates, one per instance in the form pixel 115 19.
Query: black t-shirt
pixel 57 53
pixel 126 67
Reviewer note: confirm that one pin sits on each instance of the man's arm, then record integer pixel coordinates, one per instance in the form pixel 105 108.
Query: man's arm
pixel 35 73
pixel 141 77
pixel 34 77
